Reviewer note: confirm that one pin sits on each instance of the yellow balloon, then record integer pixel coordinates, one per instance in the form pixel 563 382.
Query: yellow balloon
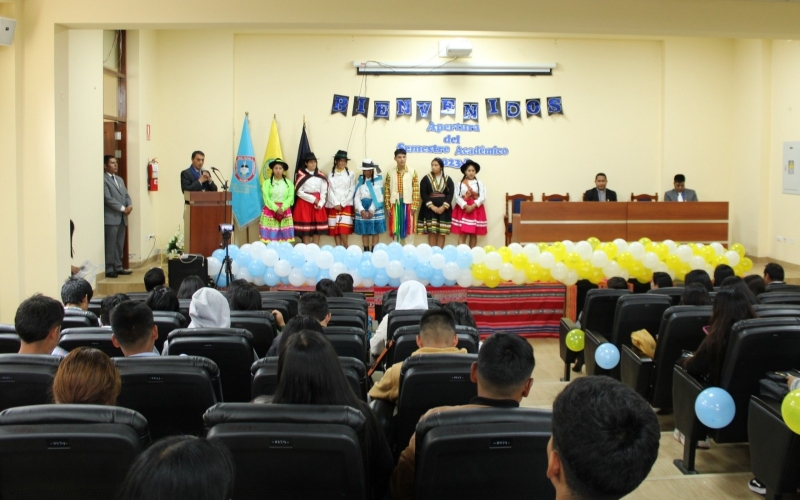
pixel 542 246
pixel 597 276
pixel 718 261
pixel 558 251
pixel 533 272
pixel 673 262
pixel 492 279
pixel 790 410
pixel 738 270
pixel 636 269
pixel 650 247
pixel 505 253
pixel 661 250
pixel 546 277
pixel 610 249
pixel 680 274
pixel 585 270
pixel 519 261
pixel 575 340
pixel 479 272
pixel 645 241
pixel 594 242
pixel 625 260
pixel 489 248
pixel 746 264
pixel 572 260
pixel 709 254
pixel 738 248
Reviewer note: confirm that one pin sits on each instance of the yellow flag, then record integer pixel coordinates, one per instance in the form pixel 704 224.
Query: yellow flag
pixel 273 151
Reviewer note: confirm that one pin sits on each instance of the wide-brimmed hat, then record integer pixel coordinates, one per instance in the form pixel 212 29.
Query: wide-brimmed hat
pixel 341 154
pixel 279 162
pixel 309 157
pixel 467 164
pixel 366 164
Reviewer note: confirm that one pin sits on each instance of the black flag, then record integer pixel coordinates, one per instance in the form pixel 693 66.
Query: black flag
pixel 302 151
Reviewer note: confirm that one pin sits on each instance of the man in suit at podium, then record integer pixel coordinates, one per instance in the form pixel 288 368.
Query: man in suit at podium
pixel 195 178
pixel 599 192
pixel 116 208
pixel 680 193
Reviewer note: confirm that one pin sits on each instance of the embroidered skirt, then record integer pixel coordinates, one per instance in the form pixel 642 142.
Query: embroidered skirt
pixel 472 223
pixel 375 225
pixel 429 222
pixel 340 221
pixel 308 220
pixel 401 220
pixel 276 228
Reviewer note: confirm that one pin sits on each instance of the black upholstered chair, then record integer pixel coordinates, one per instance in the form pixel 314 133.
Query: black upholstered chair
pixel 166 321
pixel 77 318
pixel 348 317
pixel 265 376
pixel 68 451
pixel 459 453
pixel 399 319
pixel 391 305
pixel 348 341
pixel 275 446
pixel 282 306
pixel 755 347
pixel 292 300
pixel 675 293
pixel 96 337
pixel 260 323
pixel 26 379
pixel 774 448
pixel 779 297
pixel 405 342
pixel 348 303
pixel 777 310
pixel 171 392
pixel 9 342
pixel 782 287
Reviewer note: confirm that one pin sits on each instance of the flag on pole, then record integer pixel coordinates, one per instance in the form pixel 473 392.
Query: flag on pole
pixel 245 189
pixel 273 151
pixel 302 151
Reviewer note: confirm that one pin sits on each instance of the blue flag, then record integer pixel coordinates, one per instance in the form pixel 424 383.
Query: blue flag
pixel 245 189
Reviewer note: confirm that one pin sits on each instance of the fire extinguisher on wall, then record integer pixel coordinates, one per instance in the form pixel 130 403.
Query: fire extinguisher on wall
pixel 152 175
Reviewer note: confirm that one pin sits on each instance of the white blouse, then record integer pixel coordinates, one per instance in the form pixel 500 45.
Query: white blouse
pixel 341 188
pixel 363 192
pixel 474 184
pixel 310 187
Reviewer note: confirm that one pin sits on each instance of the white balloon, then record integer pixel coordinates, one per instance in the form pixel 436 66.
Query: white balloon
pixel 700 246
pixel 438 261
pixel 532 251
pixel 709 269
pixel 424 253
pixel 506 272
pixel 408 275
pixel 559 271
pixel 661 268
pixel 235 267
pixel 394 269
pixel 247 247
pixel 671 245
pixel 515 248
pixel 296 277
pixel 622 245
pixel 637 250
pixel 380 258
pixel 325 260
pixel 478 255
pixel 451 271
pixel 259 281
pixel 519 277
pixel 336 269
pixel 569 245
pixel 301 247
pixel 611 269
pixel 684 252
pixel 242 274
pixel 464 279
pixel 259 248
pixel 410 250
pixel 572 277
pixel 733 258
pixel 718 248
pixel 547 260
pixel 355 249
pixel 356 277
pixel 624 274
pixel 670 272
pixel 214 265
pixel 697 262
pixel 599 258
pixel 477 282
pixel 269 257
pixel 283 268
pixel 311 281
pixel 463 248
pixel 367 282
pixel 650 260
pixel 493 261
pixel 312 252
pixel 584 249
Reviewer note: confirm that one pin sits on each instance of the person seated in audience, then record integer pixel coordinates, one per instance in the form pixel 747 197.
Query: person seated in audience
pixel 605 440
pixel 153 278
pixel 312 304
pixel 108 303
pixel 76 294
pixel 189 286
pixel 756 284
pixel 296 324
pixel 180 467
pixel 345 283
pixel 38 324
pixel 437 335
pixel 773 275
pixel 233 286
pixel 504 375
pixel 617 283
pixel 721 272
pixel 245 298
pixel 209 309
pixel 461 313
pixel 162 298
pixel 134 330
pixel 699 276
pixel 328 288
pixel 737 282
pixel 695 294
pixel 309 373
pixel 86 376
pixel 660 280
pixel 410 295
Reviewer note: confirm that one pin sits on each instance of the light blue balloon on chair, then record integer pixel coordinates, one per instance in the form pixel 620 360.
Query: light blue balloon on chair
pixel 715 408
pixel 607 356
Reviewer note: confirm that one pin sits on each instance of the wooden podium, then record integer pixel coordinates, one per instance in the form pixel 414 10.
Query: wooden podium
pixel 203 212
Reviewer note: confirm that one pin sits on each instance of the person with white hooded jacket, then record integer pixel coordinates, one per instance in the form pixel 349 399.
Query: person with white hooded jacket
pixel 410 295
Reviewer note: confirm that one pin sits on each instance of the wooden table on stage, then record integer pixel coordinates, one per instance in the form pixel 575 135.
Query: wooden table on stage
pixel 203 214
pixel 700 222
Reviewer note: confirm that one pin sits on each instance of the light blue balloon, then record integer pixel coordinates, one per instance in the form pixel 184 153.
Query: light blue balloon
pixel 464 259
pixel 219 254
pixel 424 271
pixel 256 268
pixel 437 279
pixel 310 270
pixel 351 260
pixel 715 408
pixel 285 250
pixel 395 251
pixel 285 280
pixel 339 253
pixel 607 356
pixel 323 274
pixel 380 246
pixel 327 248
pixel 449 282
pixel 296 259
pixel 222 280
pixel 409 261
pixel 366 269
pixel 381 278
pixel 270 278
pixel 394 282
pixel 436 250
pixel 366 256
pixel 243 259
pixel 233 251
pixel 450 253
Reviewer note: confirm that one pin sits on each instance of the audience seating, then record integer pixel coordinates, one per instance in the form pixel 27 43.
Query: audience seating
pixel 7 328
pixel 513 207
pixel 292 300
pixel 354 295
pixel 783 287
pixel 755 347
pixel 644 197
pixel 391 304
pixel 405 342
pixel 184 309
pixel 483 453
pixel 77 318
pixel 96 337
pixel 166 321
pixel 260 323
pixel 348 341
pixel 780 297
pixel 26 379
pixel 597 315
pixel 95 306
pixel 777 310
pixel 634 312
pixel 555 197
pixel 291 451
pixel 230 348
pixel 282 306
pixel 9 343
pixel 675 293
pixel 392 294
pixel 348 303
pixel 171 392
pixel 265 376
pixel 774 448
pixel 348 317
pixel 69 452
pixel 681 330
pixel 399 319
pixel 138 296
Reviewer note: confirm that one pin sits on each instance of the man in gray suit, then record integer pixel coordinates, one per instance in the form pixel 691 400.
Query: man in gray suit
pixel 680 193
pixel 115 214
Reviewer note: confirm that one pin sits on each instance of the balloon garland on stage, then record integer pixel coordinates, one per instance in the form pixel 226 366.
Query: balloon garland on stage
pixel 389 265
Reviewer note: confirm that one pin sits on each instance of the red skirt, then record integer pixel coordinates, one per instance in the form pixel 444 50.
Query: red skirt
pixel 340 221
pixel 472 223
pixel 308 220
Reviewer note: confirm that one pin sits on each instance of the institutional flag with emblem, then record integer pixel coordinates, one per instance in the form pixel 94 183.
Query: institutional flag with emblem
pixel 273 151
pixel 245 188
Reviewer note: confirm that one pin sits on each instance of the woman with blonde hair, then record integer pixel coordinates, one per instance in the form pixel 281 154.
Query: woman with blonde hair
pixel 86 376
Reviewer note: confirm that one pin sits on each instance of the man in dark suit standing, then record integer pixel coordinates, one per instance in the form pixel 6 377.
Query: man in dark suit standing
pixel 195 178
pixel 116 208
pixel 600 193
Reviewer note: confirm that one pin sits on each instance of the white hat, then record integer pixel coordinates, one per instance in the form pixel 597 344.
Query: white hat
pixel 366 164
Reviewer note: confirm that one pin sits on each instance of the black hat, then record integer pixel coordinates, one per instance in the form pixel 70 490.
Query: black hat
pixel 400 151
pixel 341 154
pixel 467 164
pixel 279 162
pixel 309 157
pixel 367 164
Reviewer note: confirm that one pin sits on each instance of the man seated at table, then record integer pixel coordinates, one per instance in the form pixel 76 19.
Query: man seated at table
pixel 680 193
pixel 599 192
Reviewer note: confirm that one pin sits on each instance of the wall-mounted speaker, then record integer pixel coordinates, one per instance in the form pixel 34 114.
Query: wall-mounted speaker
pixel 7 27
